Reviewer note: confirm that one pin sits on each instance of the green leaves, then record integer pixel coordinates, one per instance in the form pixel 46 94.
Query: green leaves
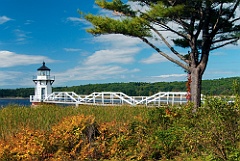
pixel 160 10
pixel 117 6
pixel 130 26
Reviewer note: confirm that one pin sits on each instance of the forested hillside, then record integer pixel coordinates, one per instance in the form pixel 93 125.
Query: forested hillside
pixel 223 86
pixel 19 92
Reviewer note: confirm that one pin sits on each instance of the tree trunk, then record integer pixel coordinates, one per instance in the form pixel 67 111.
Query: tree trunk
pixel 196 86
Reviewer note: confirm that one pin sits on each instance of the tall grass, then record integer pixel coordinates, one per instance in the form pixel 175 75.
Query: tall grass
pixel 121 132
pixel 13 118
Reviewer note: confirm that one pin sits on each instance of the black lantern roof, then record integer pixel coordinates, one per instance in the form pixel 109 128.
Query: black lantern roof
pixel 43 67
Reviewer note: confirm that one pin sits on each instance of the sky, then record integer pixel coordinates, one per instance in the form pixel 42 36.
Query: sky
pixel 33 31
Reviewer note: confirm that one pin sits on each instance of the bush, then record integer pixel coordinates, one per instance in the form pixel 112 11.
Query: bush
pixel 211 133
pixel 70 139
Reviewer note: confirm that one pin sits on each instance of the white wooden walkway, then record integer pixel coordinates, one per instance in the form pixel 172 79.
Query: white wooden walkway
pixel 115 98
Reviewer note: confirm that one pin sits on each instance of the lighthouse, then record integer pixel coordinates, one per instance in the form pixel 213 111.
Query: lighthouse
pixel 43 84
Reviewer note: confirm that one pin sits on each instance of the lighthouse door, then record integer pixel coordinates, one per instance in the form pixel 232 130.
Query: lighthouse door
pixel 43 93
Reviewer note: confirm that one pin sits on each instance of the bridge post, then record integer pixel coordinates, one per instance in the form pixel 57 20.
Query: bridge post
pixel 159 100
pixel 111 98
pixel 173 98
pixel 94 96
pixel 180 99
pixel 103 98
pixel 167 98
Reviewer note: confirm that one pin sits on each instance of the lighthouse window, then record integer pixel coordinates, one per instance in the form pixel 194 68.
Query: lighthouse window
pixel 42 73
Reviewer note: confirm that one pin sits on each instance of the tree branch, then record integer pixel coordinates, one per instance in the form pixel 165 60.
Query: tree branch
pixel 227 43
pixel 182 23
pixel 222 40
pixel 236 19
pixel 169 46
pixel 217 27
pixel 170 29
pixel 233 10
pixel 228 31
pixel 200 24
pixel 184 66
pixel 219 15
pixel 118 7
pixel 163 25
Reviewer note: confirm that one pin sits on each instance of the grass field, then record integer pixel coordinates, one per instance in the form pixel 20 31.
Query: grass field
pixel 52 132
pixel 14 118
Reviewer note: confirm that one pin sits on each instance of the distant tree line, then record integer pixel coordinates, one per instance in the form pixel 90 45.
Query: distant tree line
pixel 223 86
pixel 19 92
pixel 131 88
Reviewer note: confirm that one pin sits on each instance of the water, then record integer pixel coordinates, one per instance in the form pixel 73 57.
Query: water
pixel 21 102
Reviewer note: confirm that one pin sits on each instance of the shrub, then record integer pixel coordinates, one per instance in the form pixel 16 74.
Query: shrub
pixel 211 133
pixel 70 139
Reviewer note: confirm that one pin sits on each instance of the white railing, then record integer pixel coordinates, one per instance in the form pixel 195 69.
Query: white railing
pixel 115 98
pixel 63 97
pixel 165 98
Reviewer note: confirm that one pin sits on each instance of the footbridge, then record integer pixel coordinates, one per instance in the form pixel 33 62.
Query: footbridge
pixel 114 98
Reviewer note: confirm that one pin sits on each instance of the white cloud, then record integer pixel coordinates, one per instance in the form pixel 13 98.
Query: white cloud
pixel 221 53
pixel 8 75
pixel 214 74
pixel 105 63
pixel 28 22
pixel 13 79
pixel 21 35
pixel 118 40
pixel 94 72
pixel 10 59
pixel 115 48
pixel 72 49
pixel 124 56
pixel 135 6
pixel 154 58
pixel 74 19
pixel 160 78
pixel 4 19
pixel 165 78
pixel 219 73
pixel 170 75
pixel 77 20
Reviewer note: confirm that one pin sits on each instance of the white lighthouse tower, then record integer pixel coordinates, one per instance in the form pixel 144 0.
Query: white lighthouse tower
pixel 43 85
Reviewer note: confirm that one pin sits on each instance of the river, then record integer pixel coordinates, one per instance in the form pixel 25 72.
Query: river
pixel 10 101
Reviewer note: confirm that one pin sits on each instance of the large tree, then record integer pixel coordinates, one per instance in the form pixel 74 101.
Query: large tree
pixel 198 25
